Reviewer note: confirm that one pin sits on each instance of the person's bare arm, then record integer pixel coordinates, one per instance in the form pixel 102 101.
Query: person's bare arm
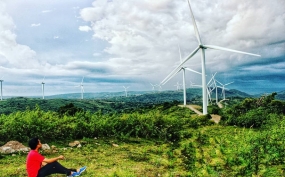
pixel 46 160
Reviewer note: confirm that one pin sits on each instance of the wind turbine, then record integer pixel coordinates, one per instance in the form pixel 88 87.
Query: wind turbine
pixel 126 92
pixel 208 93
pixel 223 88
pixel 159 87
pixel 177 85
pixel 215 86
pixel 153 86
pixel 81 86
pixel 184 84
pixel 203 48
pixel 1 80
pixel 43 87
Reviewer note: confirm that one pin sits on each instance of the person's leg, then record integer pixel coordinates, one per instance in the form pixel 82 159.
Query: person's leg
pixel 53 168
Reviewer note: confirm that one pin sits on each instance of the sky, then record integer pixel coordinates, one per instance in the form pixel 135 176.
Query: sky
pixel 116 43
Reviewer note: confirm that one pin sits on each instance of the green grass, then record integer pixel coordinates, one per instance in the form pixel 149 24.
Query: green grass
pixel 218 151
pixel 136 157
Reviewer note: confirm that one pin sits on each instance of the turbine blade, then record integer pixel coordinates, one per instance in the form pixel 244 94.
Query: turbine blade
pixel 213 75
pixel 228 83
pixel 194 24
pixel 179 67
pixel 197 85
pixel 180 54
pixel 172 76
pixel 82 79
pixel 229 50
pixel 219 82
pixel 193 70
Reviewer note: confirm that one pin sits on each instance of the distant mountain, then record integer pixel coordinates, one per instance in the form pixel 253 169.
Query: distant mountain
pixel 100 95
pixel 159 95
pixel 237 93
pixel 280 95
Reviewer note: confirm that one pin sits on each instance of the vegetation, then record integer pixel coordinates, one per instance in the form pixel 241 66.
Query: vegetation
pixel 106 104
pixel 157 140
pixel 255 112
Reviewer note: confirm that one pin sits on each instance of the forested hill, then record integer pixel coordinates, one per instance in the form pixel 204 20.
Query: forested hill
pixel 109 102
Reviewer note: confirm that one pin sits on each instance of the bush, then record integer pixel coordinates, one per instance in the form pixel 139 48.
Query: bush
pixel 162 122
pixel 253 112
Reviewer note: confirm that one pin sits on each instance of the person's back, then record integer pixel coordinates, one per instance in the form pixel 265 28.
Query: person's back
pixel 33 164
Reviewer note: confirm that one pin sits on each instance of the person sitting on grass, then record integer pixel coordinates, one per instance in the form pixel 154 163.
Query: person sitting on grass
pixel 39 166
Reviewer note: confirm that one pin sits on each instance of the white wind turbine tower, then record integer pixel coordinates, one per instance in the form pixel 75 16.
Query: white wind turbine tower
pixel 184 83
pixel 81 86
pixel 43 87
pixel 1 80
pixel 223 88
pixel 126 92
pixel 203 48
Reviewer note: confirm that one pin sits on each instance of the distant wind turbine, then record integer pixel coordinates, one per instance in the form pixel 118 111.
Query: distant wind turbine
pixel 81 86
pixel 153 86
pixel 212 83
pixel 126 92
pixel 177 85
pixel 208 93
pixel 159 87
pixel 223 88
pixel 1 80
pixel 203 48
pixel 43 87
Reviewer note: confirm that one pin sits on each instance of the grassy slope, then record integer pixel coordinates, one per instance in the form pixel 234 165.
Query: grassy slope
pixel 139 157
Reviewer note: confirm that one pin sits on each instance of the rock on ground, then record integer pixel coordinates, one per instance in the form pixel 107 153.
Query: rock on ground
pixel 13 147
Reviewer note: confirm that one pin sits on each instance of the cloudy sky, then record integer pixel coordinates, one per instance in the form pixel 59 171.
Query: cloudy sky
pixel 116 43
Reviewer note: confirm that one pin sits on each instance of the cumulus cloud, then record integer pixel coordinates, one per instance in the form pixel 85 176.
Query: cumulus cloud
pixel 85 28
pixel 46 11
pixel 144 35
pixel 13 55
pixel 35 25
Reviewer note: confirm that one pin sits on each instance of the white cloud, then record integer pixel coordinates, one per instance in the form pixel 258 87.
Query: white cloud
pixel 146 33
pixel 35 25
pixel 97 54
pixel 46 11
pixel 85 28
pixel 13 55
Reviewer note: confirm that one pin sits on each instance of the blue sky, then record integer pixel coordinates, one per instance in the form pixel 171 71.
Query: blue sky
pixel 132 43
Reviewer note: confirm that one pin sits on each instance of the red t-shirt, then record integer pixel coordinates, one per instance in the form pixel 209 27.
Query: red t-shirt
pixel 34 162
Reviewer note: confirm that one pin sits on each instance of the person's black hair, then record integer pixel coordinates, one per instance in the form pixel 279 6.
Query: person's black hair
pixel 33 143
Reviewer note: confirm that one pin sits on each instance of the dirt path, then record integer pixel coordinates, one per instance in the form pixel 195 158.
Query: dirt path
pixel 216 118
pixel 220 105
pixel 192 107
